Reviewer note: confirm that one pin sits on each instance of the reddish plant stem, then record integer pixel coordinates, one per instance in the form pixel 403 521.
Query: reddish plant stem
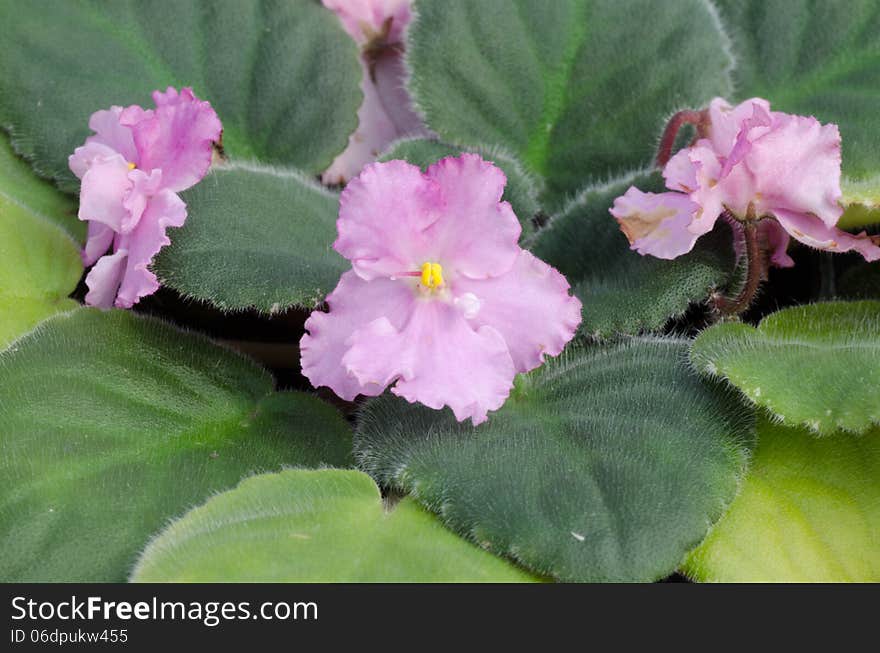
pixel 756 269
pixel 664 151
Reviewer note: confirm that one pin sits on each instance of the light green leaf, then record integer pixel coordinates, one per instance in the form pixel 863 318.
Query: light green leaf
pixel 862 201
pixel 255 237
pixel 808 511
pixel 814 58
pixel 609 464
pixel 577 89
pixel 521 190
pixel 283 76
pixel 622 291
pixel 39 263
pixel 817 365
pixel 111 424
pixel 314 526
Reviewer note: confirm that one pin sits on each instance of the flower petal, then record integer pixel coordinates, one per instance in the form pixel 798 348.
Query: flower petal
pixel 177 137
pixel 111 132
pixel 775 240
pixel 797 168
pixel 477 234
pixel 165 209
pixel 725 122
pixel 103 280
pixel 98 241
pixel 811 231
pixel 437 359
pixel 353 305
pixel 374 133
pixel 383 215
pixel 530 307
pixel 656 224
pixel 365 20
pixel 105 187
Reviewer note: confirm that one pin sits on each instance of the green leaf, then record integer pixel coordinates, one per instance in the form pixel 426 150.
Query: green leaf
pixel 808 511
pixel 606 464
pixel 112 424
pixel 19 184
pixel 521 190
pixel 622 291
pixel 39 263
pixel 577 89
pixel 255 237
pixel 814 57
pixel 862 201
pixel 283 76
pixel 318 527
pixel 817 366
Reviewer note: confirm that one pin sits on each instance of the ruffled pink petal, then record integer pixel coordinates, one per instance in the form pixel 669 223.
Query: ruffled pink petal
pixel 797 168
pixel 111 132
pixel 811 231
pixel 656 224
pixel 85 155
pixel 165 209
pixel 725 122
pixel 98 241
pixel 143 187
pixel 713 193
pixel 384 213
pixel 390 77
pixel 437 359
pixel 750 129
pixel 103 280
pixel 105 187
pixel 353 304
pixel 529 306
pixel 177 137
pixel 775 240
pixel 680 172
pixel 365 20
pixel 477 234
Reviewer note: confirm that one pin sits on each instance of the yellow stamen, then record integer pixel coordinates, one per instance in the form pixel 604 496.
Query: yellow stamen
pixel 131 166
pixel 432 275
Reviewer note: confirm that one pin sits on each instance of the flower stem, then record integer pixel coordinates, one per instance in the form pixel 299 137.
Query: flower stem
pixel 756 269
pixel 687 117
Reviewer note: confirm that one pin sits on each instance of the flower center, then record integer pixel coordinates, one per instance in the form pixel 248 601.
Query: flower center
pixel 131 165
pixel 432 275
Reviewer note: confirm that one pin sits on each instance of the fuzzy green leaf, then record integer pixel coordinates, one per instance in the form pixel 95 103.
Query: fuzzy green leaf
pixel 314 526
pixel 39 263
pixel 255 237
pixel 609 464
pixel 813 57
pixel 577 89
pixel 283 76
pixel 112 424
pixel 817 365
pixel 622 291
pixel 808 511
pixel 521 190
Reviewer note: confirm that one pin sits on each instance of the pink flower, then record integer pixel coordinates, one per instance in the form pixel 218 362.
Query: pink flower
pixel 440 301
pixel 754 164
pixel 386 114
pixel 132 169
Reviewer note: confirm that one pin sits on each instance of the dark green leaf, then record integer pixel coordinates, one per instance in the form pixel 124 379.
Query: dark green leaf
pixel 606 464
pixel 112 424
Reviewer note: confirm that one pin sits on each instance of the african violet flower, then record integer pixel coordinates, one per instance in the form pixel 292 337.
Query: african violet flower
pixel 749 163
pixel 132 169
pixel 386 114
pixel 440 298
